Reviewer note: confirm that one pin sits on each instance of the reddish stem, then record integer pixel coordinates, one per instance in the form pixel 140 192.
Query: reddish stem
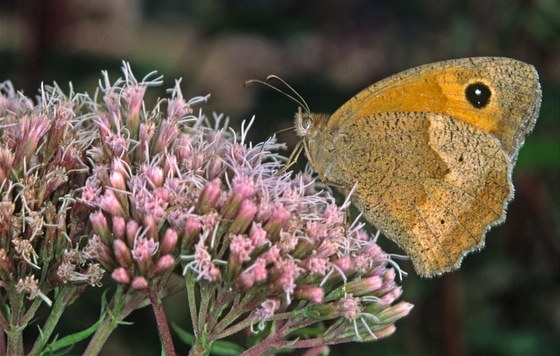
pixel 163 325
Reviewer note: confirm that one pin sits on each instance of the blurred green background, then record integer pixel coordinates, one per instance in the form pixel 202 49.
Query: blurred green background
pixel 504 301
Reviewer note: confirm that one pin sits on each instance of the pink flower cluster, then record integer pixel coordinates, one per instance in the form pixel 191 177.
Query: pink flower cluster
pixel 42 162
pixel 158 189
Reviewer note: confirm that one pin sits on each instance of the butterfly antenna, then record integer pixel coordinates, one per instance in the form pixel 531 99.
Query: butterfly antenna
pixel 291 128
pixel 301 101
pixel 298 99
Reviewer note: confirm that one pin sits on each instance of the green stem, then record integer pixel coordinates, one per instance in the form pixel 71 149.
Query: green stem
pixel 14 332
pixel 224 299
pixel 237 309
pixel 198 350
pixel 278 339
pixel 122 305
pixel 234 329
pixel 161 319
pixel 61 301
pixel 206 293
pixel 4 323
pixel 191 296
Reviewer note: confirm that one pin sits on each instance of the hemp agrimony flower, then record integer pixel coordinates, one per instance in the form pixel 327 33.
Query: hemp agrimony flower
pixel 89 185
pixel 42 164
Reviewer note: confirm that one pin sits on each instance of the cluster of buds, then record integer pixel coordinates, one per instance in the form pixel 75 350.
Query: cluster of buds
pixel 42 163
pixel 149 192
pixel 146 172
pixel 264 245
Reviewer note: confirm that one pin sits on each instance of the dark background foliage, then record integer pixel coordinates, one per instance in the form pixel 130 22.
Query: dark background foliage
pixel 505 300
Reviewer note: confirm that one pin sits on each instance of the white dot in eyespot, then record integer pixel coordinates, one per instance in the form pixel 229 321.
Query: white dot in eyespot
pixel 478 92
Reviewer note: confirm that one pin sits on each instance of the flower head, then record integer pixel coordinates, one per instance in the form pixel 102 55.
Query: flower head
pixel 141 191
pixel 42 166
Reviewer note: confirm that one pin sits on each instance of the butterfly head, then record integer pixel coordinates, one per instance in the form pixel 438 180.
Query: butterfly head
pixel 303 122
pixel 306 123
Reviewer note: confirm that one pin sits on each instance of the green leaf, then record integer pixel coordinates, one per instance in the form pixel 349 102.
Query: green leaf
pixel 219 347
pixel 184 335
pixel 70 340
pixel 310 331
pixel 225 348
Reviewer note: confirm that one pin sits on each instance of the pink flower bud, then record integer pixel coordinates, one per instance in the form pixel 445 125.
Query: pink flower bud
pixel 99 225
pixel 6 161
pixel 122 253
pixel 214 168
pixel 146 133
pixel 132 228
pixel 150 223
pixel 133 96
pixel 117 180
pixel 103 254
pixel 240 252
pixel 243 188
pixel 183 147
pixel 264 212
pixel 364 286
pixel 178 108
pixel 119 166
pixel 312 293
pixel 170 166
pixel 155 175
pixel 118 227
pixel 254 274
pixel 196 161
pixel 109 203
pixel 168 241
pixel 271 255
pixel 112 101
pixel 389 275
pixel 209 196
pixel 391 296
pixel 245 281
pixel 349 307
pixel 168 132
pixel 121 275
pixel 388 331
pixel 344 263
pixel 31 131
pixel 245 214
pixel 143 252
pixel 317 265
pixel 280 216
pixel 212 273
pixel 258 235
pixel 139 283
pixel 193 227
pixel 395 312
pixel 163 264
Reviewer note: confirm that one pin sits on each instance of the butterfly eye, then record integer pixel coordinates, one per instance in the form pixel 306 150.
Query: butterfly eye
pixel 306 123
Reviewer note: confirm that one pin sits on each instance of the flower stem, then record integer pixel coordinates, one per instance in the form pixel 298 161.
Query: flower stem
pixel 198 350
pixel 206 294
pixel 15 331
pixel 161 319
pixel 190 282
pixel 62 300
pixel 122 305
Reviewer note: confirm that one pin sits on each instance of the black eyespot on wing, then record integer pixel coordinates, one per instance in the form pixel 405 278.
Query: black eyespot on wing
pixel 478 94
